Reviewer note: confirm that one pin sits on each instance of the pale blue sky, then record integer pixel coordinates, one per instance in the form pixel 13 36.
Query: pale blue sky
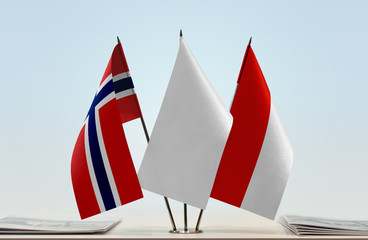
pixel 312 53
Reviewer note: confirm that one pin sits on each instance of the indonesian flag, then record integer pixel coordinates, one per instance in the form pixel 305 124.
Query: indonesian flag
pixel 102 169
pixel 257 158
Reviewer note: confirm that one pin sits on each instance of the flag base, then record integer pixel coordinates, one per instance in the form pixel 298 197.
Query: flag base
pixel 182 231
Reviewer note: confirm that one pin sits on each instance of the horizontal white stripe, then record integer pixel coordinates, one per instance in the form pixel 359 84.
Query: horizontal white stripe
pixel 121 76
pixel 105 81
pixel 125 93
pixel 272 170
pixel 92 171
pixel 101 143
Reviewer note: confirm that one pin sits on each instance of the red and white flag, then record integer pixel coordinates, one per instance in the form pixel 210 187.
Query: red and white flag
pixel 257 158
pixel 102 169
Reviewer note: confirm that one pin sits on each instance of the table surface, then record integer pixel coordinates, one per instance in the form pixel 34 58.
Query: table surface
pixel 217 226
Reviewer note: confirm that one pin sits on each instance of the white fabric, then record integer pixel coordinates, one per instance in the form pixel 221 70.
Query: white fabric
pixel 125 93
pixel 188 138
pixel 121 76
pixel 272 170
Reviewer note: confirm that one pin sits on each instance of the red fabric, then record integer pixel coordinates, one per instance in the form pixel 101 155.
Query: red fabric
pixel 82 184
pixel 129 108
pixel 118 153
pixel 119 63
pixel 250 110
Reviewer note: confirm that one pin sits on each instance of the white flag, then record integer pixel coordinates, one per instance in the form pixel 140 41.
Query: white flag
pixel 188 138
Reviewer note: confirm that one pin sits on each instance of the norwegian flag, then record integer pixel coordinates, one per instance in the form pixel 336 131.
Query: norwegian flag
pixel 102 169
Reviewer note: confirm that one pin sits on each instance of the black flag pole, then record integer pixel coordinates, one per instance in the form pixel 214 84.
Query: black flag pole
pixel 148 138
pixel 185 205
pixel 185 218
pixel 199 220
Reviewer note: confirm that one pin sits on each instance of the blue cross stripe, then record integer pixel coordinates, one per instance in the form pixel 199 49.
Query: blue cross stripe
pixel 123 84
pixel 97 161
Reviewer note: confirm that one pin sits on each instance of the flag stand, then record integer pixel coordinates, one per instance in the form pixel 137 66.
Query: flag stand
pixel 186 230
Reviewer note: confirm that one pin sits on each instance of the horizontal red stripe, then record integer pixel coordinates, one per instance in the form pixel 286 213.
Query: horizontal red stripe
pixel 250 110
pixel 82 184
pixel 119 63
pixel 129 108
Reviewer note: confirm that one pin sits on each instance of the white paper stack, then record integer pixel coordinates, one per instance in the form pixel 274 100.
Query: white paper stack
pixel 322 226
pixel 43 226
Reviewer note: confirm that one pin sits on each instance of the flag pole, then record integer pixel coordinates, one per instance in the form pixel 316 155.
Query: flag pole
pixel 241 70
pixel 185 218
pixel 185 205
pixel 199 220
pixel 148 138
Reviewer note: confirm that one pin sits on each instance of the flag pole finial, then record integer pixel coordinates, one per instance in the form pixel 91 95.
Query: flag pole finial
pixel 181 33
pixel 118 39
pixel 250 41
